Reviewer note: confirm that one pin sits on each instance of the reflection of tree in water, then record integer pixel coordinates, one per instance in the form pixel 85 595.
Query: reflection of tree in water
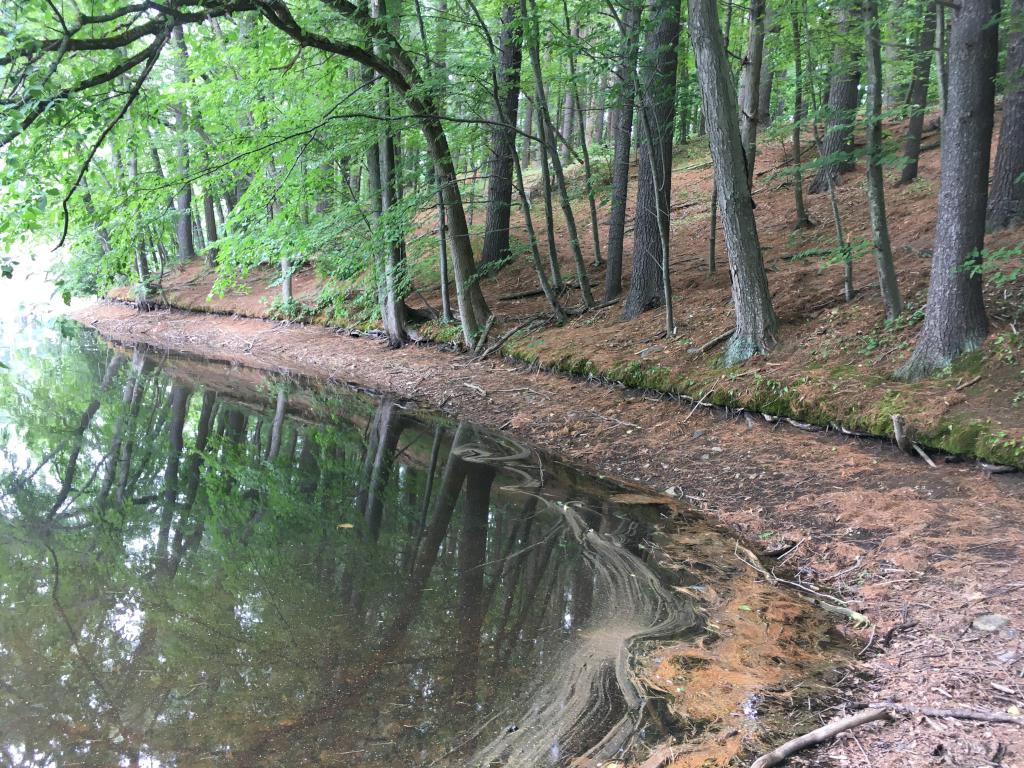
pixel 298 579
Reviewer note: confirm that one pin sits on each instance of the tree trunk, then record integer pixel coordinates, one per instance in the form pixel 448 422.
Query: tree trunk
pixel 597 120
pixel 503 138
pixel 1006 200
pixel 803 221
pixel 183 220
pixel 955 320
pixel 654 157
pixel 527 127
pixel 210 219
pixel 941 57
pixel 918 95
pixel 876 186
pixel 750 86
pixel 755 318
pixel 625 75
pixel 843 98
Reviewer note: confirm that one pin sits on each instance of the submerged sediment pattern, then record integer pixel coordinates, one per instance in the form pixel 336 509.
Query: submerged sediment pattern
pixel 205 564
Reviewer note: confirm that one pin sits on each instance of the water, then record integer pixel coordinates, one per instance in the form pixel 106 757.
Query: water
pixel 200 565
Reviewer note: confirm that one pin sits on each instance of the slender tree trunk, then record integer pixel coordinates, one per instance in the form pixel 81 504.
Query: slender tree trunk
pixel 548 134
pixel 183 221
pixel 1006 200
pixel 955 320
pixel 528 123
pixel 549 212
pixel 755 318
pixel 597 120
pixel 941 55
pixel 918 95
pixel 503 137
pixel 623 133
pixel 876 186
pixel 750 86
pixel 654 157
pixel 803 221
pixel 843 98
pixel 210 219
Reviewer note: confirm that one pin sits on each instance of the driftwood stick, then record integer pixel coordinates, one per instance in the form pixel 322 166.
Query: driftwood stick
pixel 818 735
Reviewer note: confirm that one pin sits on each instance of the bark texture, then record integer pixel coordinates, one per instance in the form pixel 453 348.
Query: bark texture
pixel 654 157
pixel 876 187
pixel 843 97
pixel 755 319
pixel 955 320
pixel 622 130
pixel 503 138
pixel 1006 200
pixel 917 96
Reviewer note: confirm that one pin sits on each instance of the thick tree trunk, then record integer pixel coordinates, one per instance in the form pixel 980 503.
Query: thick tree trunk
pixel 1006 200
pixel 917 96
pixel 750 85
pixel 503 137
pixel 654 157
pixel 755 318
pixel 843 98
pixel 876 187
pixel 623 132
pixel 955 320
pixel 210 219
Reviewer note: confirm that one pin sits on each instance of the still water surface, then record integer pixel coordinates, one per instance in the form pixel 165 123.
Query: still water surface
pixel 200 565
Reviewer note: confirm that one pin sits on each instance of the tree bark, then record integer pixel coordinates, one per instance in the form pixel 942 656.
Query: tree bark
pixel 183 219
pixel 1006 199
pixel 955 320
pixel 803 221
pixel 755 318
pixel 750 85
pixel 843 98
pixel 623 132
pixel 654 157
pixel 918 95
pixel 876 187
pixel 503 137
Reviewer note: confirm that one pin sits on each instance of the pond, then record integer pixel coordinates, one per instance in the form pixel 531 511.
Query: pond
pixel 202 564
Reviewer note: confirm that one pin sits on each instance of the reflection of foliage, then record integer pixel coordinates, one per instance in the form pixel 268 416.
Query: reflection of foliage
pixel 245 587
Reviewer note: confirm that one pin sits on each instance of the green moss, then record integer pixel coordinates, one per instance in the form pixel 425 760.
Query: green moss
pixel 637 375
pixel 442 333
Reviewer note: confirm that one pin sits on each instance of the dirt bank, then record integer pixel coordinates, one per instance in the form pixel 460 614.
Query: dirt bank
pixel 922 552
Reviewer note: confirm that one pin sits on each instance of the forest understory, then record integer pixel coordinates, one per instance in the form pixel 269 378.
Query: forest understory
pixel 835 362
pixel 922 552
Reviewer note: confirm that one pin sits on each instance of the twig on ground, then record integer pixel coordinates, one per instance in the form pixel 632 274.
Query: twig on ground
pixel 925 456
pixel 713 343
pixel 505 337
pixel 818 735
pixel 966 384
pixel 697 405
pixel 483 335
pixel 475 388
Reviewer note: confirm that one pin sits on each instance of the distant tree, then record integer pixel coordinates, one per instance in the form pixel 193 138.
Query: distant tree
pixel 1006 199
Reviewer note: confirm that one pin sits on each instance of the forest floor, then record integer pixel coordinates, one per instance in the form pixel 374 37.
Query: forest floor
pixel 923 552
pixel 835 360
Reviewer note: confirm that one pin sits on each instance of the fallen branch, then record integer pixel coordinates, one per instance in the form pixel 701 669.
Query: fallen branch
pixel 925 456
pixel 713 343
pixel 483 335
pixel 956 714
pixel 505 337
pixel 966 384
pixel 818 735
